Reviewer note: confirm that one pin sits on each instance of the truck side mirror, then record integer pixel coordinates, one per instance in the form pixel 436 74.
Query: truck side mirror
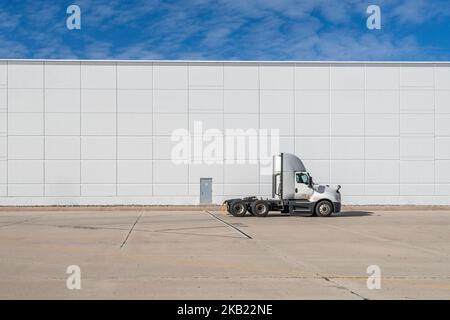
pixel 310 182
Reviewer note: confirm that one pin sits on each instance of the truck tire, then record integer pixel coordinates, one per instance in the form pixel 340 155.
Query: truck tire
pixel 238 208
pixel 324 208
pixel 260 208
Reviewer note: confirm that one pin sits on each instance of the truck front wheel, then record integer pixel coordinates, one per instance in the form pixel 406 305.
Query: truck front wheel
pixel 324 209
pixel 260 208
pixel 238 208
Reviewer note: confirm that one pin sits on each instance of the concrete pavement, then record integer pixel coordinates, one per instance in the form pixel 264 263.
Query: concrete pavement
pixel 140 254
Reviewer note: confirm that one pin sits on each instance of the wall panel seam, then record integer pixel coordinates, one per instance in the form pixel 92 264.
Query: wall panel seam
pixel 7 128
pixel 364 127
pixel 259 127
pixel 153 121
pixel 80 136
pixel 223 126
pixel 330 157
pixel 117 121
pixel 434 131
pixel 399 71
pixel 44 126
pixel 189 118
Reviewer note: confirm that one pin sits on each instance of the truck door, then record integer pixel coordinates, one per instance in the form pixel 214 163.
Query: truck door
pixel 302 186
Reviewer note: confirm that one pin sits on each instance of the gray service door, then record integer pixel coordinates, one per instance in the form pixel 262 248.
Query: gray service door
pixel 205 190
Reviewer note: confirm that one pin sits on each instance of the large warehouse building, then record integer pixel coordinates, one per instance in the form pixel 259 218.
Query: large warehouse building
pixel 106 132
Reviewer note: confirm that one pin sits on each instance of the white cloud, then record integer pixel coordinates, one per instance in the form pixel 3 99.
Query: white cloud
pixel 418 11
pixel 9 21
pixel 11 49
pixel 222 29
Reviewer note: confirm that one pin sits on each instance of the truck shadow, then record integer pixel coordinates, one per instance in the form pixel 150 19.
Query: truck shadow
pixel 342 214
pixel 352 214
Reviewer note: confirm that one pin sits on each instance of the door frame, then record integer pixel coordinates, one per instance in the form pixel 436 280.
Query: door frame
pixel 206 198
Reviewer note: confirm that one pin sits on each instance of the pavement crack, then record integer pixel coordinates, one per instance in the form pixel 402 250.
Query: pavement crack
pixel 337 285
pixel 131 230
pixel 230 225
pixel 15 223
pixel 71 226
pixel 190 228
pixel 23 221
pixel 391 241
pixel 316 275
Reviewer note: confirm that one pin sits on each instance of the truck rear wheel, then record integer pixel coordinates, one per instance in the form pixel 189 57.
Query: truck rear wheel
pixel 324 209
pixel 238 208
pixel 260 208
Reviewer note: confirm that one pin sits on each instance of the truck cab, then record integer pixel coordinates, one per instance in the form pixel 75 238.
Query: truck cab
pixel 293 190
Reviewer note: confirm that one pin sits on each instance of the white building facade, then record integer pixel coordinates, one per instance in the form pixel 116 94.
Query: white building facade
pixel 101 132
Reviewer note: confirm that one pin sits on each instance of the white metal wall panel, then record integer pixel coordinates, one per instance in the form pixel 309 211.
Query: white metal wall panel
pixel 62 75
pixel 241 77
pixel 170 101
pixel 135 76
pixel 100 132
pixel 312 77
pixel 443 77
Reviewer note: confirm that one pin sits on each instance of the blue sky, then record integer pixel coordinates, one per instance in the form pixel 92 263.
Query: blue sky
pixel 226 30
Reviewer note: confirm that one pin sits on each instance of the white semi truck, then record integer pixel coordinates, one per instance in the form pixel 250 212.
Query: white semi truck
pixel 293 190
